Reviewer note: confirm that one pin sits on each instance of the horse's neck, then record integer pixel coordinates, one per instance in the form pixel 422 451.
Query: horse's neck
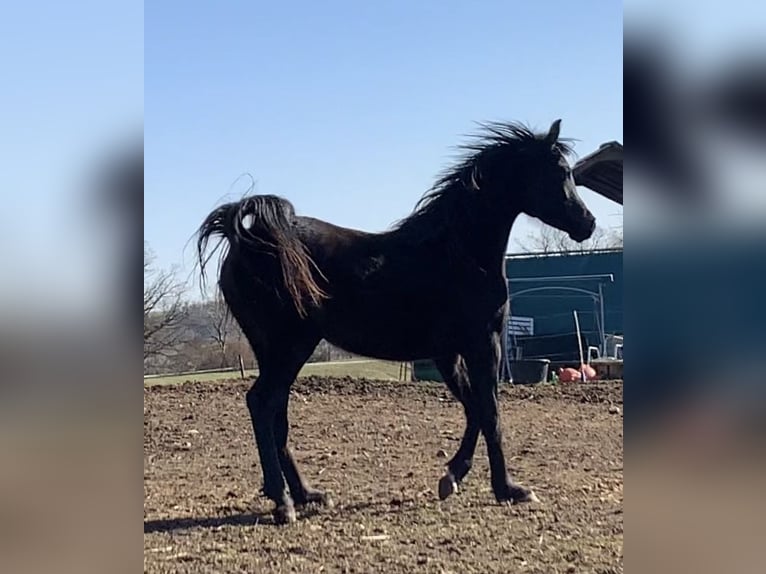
pixel 478 233
pixel 485 237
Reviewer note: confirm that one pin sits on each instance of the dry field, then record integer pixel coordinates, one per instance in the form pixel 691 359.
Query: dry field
pixel 379 447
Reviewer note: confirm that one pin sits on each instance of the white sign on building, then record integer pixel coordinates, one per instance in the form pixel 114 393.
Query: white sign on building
pixel 521 326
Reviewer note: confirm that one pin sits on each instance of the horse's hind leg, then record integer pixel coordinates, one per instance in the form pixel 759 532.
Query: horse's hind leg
pixel 454 374
pixel 301 492
pixel 267 402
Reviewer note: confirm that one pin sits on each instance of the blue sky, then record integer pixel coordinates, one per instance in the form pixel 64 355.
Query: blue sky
pixel 350 109
pixel 72 96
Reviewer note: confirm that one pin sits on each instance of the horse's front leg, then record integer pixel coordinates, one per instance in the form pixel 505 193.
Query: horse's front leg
pixel 454 374
pixel 482 360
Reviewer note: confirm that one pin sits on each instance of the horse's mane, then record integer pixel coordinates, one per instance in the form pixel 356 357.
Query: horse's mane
pixel 450 192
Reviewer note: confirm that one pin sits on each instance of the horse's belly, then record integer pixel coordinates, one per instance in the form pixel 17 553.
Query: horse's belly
pixel 388 334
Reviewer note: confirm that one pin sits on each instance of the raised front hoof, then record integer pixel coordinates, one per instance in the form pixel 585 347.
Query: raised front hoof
pixel 315 497
pixel 284 514
pixel 515 494
pixel 447 486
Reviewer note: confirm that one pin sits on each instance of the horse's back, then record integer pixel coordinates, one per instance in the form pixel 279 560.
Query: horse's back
pixel 386 299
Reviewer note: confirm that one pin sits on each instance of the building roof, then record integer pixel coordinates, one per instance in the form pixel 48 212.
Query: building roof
pixel 601 171
pixel 551 254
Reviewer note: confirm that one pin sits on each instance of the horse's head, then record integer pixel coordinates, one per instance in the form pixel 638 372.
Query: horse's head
pixel 508 170
pixel 548 190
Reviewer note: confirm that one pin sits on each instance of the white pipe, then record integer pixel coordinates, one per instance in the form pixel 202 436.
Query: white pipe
pixel 579 345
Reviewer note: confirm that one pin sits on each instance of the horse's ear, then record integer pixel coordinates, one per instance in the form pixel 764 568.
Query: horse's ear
pixel 553 133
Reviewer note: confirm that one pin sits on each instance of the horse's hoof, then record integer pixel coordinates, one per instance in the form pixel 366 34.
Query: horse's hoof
pixel 447 486
pixel 326 501
pixel 316 497
pixel 284 514
pixel 524 495
pixel 516 494
pixel 530 497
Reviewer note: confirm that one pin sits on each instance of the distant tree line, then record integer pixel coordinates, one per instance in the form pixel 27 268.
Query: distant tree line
pixel 184 336
pixel 548 239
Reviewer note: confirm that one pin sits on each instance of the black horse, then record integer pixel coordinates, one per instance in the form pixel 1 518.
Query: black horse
pixel 291 280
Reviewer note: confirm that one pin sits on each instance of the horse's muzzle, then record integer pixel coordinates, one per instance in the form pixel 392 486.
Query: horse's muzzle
pixel 585 231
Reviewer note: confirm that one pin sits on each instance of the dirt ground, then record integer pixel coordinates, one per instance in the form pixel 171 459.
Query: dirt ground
pixel 379 449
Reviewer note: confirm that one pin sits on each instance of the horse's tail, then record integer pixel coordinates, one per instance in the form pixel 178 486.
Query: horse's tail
pixel 265 224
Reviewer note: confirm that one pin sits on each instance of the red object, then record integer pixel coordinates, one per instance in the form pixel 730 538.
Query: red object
pixel 570 375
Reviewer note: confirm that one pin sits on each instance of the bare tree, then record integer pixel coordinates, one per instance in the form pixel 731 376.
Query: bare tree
pixel 551 240
pixel 221 326
pixel 164 309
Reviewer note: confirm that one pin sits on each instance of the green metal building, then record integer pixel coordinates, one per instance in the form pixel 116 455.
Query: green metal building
pixel 544 291
pixel 549 287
